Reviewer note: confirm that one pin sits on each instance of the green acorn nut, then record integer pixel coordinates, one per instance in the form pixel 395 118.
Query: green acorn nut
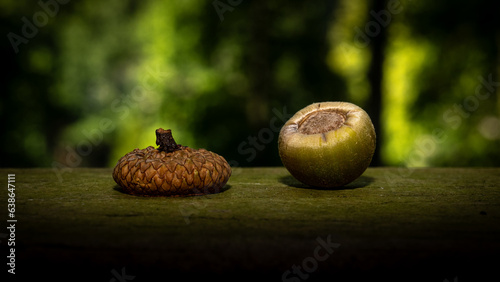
pixel 327 144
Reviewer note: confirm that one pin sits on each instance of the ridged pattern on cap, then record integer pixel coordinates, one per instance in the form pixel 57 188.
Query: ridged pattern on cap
pixel 180 173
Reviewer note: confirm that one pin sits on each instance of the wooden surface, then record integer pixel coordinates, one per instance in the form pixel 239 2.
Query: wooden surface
pixel 392 223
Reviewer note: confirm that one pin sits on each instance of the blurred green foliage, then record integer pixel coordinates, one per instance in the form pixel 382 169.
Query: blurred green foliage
pixel 98 77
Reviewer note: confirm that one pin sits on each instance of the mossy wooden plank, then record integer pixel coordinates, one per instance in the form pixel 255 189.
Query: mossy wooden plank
pixel 431 223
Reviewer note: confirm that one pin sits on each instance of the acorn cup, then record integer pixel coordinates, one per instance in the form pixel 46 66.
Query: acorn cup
pixel 171 170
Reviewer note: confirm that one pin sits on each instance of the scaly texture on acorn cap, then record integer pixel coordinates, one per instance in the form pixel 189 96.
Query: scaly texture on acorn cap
pixel 327 144
pixel 171 170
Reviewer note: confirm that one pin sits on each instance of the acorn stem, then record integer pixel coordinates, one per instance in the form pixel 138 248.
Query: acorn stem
pixel 165 141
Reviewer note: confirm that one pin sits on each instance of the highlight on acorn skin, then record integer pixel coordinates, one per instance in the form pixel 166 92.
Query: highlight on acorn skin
pixel 327 144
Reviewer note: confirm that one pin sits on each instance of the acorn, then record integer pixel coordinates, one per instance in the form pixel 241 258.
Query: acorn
pixel 171 170
pixel 327 144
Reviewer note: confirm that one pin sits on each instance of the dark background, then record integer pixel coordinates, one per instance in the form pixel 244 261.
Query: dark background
pixel 84 82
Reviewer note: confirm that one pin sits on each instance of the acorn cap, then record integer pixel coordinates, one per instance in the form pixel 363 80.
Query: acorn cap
pixel 171 170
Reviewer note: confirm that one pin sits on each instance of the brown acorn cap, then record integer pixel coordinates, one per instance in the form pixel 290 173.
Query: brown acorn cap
pixel 171 170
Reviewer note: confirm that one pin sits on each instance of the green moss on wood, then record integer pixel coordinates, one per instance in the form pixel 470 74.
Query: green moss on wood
pixel 264 219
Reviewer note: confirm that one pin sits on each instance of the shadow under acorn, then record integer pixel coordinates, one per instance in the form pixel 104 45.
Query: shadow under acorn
pixel 360 182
